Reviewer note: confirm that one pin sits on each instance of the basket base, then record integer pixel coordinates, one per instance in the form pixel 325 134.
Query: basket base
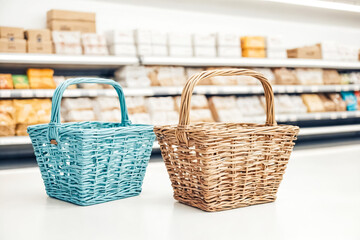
pixel 95 200
pixel 222 207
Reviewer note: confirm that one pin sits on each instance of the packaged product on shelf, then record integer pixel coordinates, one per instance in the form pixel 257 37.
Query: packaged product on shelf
pixel 94 44
pixel 12 46
pixel 345 78
pixel 39 41
pixel 6 81
pixel 197 102
pixel 309 76
pixel 158 38
pixel 228 52
pixel 140 118
pixel 357 95
pixel 159 50
pixel 286 104
pixel 135 105
pixel 253 53
pixel 253 42
pixel 11 33
pixel 250 106
pixel 285 76
pixel 329 50
pixel 60 79
pixel 63 20
pixel 41 78
pixel 80 116
pixel 275 47
pixel 77 104
pixel 331 77
pixel 77 109
pixel 179 39
pixel 204 51
pixel 201 115
pixel 120 36
pixel 7 118
pixel 143 37
pixel 267 72
pixel 126 50
pixel 204 40
pixel 144 49
pixel 350 100
pixel 329 104
pixel 313 102
pixel 107 109
pixel 164 118
pixel 223 80
pixel 42 108
pixel 354 78
pixel 224 109
pixel 276 54
pixel 339 102
pixel 311 52
pixel 67 42
pixel 25 112
pixel 227 40
pixel 180 51
pixel 191 71
pixel 133 76
pixel 160 104
pixel 20 82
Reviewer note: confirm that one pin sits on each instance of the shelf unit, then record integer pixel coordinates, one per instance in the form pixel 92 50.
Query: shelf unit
pixel 249 62
pixel 304 132
pixel 56 60
pixel 172 91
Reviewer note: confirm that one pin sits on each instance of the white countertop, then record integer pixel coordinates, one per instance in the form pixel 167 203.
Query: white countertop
pixel 318 199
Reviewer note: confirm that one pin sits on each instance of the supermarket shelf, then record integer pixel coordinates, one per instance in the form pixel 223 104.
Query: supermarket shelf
pixel 248 62
pixel 49 60
pixel 311 131
pixel 317 116
pixel 161 91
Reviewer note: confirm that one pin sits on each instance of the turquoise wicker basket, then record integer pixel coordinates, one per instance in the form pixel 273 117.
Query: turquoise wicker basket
pixel 91 162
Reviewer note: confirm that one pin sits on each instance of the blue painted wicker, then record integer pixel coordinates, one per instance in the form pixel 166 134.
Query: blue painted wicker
pixel 91 162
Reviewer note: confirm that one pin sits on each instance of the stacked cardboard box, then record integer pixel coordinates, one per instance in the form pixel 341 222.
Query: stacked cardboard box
pixel 253 47
pixel 228 45
pixel 121 42
pixel 151 43
pixel 12 40
pixel 62 20
pixel 204 44
pixel 39 41
pixel 311 52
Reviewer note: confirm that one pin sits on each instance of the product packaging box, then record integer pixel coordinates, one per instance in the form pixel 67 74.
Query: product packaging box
pixel 124 36
pixel 229 52
pixel 62 20
pixel 159 50
pixel 144 49
pixel 45 47
pixel 158 38
pixel 227 40
pixel 127 50
pixel 66 37
pixel 180 51
pixel 95 50
pixel 205 51
pixel 38 35
pixel 179 39
pixel 11 33
pixel 12 46
pixel 143 37
pixel 276 54
pixel 67 48
pixel 254 53
pixel 253 42
pixel 204 40
pixel 311 52
pixel 93 39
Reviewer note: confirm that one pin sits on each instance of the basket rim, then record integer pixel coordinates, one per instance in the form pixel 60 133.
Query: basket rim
pixel 75 128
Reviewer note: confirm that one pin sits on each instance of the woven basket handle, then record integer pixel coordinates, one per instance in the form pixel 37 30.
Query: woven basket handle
pixel 184 119
pixel 56 101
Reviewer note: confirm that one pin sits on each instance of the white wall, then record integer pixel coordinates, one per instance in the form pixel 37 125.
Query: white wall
pixel 298 30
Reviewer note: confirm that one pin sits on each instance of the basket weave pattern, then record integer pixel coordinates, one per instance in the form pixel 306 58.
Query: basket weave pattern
pixel 219 166
pixel 91 162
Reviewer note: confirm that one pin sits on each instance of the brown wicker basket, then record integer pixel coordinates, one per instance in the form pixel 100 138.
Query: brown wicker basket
pixel 219 166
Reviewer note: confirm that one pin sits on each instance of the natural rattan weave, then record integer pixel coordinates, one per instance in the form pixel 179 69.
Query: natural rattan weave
pixel 91 162
pixel 219 166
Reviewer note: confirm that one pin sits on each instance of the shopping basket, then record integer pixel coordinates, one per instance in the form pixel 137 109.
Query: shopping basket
pixel 219 166
pixel 91 162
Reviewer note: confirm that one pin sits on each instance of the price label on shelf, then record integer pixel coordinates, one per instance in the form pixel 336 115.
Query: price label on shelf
pixel 333 116
pixel 338 88
pixel 344 115
pixel 290 89
pixel 281 89
pixel 93 92
pixel 173 90
pixel 357 113
pixel 346 88
pixel 356 88
pixel 317 116
pixel 293 118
